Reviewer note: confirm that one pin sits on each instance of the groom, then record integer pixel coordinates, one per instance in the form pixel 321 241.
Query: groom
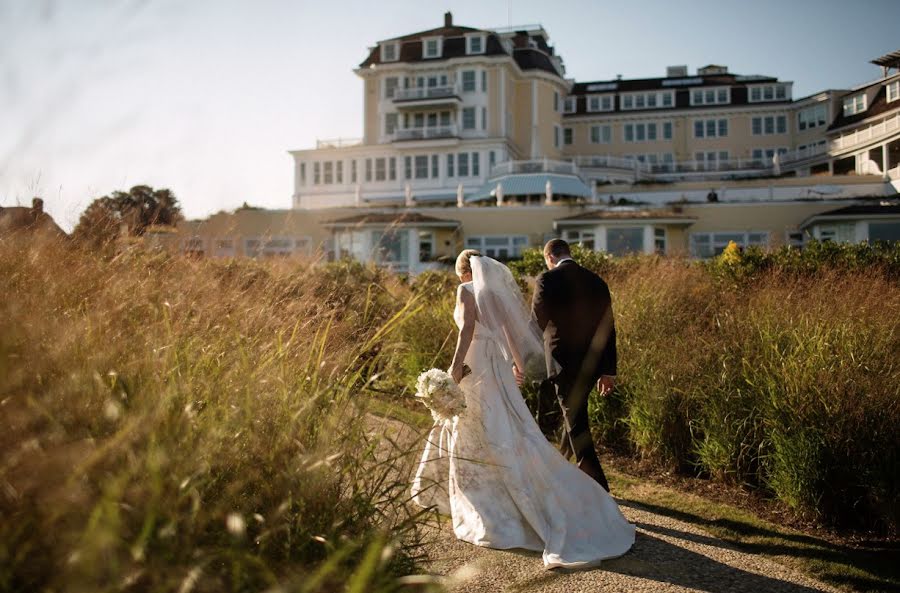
pixel 573 307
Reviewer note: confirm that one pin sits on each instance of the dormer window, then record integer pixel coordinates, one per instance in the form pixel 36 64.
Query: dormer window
pixel 855 104
pixel 570 105
pixel 475 44
pixel 893 91
pixel 390 51
pixel 431 47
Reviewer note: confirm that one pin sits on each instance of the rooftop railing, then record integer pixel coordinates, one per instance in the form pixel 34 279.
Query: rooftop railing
pixel 424 93
pixel 338 143
pixel 426 133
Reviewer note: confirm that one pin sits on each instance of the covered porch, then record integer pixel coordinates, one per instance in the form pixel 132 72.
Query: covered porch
pixel 627 231
pixel 402 241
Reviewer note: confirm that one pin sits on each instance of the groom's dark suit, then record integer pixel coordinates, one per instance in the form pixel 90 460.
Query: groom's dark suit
pixel 573 307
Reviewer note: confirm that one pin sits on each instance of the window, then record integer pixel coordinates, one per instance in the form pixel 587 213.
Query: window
pixel 353 171
pixel 450 172
pixel 659 241
pixel 711 96
pixel 302 173
pixel 601 134
pixel 426 246
pixel 435 167
pixel 500 247
pixel 769 92
pixel 390 123
pixel 389 52
pixel 484 118
pixel 380 169
pixel 624 240
pixel 484 81
pixel 893 91
pixel 339 172
pixel 711 159
pixel 768 154
pixel 640 132
pixel 649 100
pixel 223 248
pixel 710 128
pixel 811 117
pixel 841 233
pixel 407 167
pixel 599 103
pixel 392 168
pixel 770 124
pixel 570 105
pixel 712 244
pixel 476 163
pixel 468 81
pixel 585 238
pixel 463 164
pixel 567 136
pixel 475 44
pixel 328 173
pixel 555 102
pixel 884 231
pixel 368 169
pixel 492 160
pixel 421 162
pixel 855 104
pixel 431 47
pixel 468 118
pixel 317 177
pixel 390 87
pixel 667 130
pixel 251 247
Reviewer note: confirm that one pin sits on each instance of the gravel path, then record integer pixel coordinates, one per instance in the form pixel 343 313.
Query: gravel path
pixel 668 555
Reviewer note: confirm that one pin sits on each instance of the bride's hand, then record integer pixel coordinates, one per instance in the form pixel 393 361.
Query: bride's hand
pixel 456 372
pixel 519 375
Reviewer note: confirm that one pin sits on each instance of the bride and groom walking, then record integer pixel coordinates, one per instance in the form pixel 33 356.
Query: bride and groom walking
pixel 491 469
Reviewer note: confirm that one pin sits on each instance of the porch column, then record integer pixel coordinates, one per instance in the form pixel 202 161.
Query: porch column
pixel 413 250
pixel 884 162
pixel 600 238
pixel 648 239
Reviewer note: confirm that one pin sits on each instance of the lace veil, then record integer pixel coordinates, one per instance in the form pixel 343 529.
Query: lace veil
pixel 502 309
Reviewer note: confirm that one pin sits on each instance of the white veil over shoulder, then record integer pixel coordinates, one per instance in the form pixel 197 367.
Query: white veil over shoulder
pixel 502 309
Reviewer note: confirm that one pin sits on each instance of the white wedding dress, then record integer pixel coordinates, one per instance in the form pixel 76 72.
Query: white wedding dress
pixel 504 485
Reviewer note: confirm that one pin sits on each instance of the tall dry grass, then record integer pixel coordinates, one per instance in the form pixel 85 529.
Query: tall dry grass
pixel 181 425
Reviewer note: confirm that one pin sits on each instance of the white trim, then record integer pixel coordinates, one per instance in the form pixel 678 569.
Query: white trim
pixel 774 87
pixel 396 45
pixel 629 101
pixel 470 37
pixel 440 47
pixel 716 98
pixel 601 99
pixel 892 90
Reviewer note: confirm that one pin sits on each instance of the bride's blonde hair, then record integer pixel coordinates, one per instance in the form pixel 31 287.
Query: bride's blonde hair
pixel 463 266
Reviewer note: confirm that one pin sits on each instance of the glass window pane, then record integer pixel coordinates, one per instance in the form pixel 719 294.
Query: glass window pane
pixel 624 240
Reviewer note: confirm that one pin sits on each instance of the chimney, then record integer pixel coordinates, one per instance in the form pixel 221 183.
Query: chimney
pixel 448 19
pixel 37 206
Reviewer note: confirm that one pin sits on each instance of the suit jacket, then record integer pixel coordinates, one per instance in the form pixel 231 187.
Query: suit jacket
pixel 573 307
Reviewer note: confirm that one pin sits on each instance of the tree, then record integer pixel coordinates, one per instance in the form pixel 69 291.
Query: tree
pixel 131 212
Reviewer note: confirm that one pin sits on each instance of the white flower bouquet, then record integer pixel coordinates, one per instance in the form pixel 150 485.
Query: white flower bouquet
pixel 440 394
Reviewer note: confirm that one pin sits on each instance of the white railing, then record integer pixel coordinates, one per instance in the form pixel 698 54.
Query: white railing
pixel 792 156
pixel 867 134
pixel 434 92
pixel 663 167
pixel 535 166
pixel 608 162
pixel 338 142
pixel 429 133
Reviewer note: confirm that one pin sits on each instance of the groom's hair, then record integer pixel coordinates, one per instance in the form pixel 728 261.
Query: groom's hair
pixel 557 248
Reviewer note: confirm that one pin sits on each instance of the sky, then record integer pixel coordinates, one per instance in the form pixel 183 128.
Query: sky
pixel 205 97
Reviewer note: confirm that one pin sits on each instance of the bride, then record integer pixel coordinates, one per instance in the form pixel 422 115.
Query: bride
pixel 491 469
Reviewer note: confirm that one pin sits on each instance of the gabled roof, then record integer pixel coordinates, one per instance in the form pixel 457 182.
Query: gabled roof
pixel 878 105
pixel 400 218
pixel 857 211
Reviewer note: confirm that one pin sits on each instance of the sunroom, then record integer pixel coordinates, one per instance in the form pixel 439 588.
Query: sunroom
pixel 623 232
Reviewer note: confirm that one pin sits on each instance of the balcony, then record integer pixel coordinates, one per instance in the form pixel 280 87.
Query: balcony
pixel 534 166
pixel 434 96
pixel 428 133
pixel 870 134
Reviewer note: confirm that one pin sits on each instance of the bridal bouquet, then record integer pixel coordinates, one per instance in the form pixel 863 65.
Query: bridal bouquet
pixel 440 394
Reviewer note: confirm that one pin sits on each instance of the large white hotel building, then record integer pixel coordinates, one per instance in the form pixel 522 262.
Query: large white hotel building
pixel 476 138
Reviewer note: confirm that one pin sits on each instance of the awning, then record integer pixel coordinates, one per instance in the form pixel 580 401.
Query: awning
pixel 524 184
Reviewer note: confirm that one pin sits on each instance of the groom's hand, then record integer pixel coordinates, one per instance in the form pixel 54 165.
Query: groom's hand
pixel 520 377
pixel 605 384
